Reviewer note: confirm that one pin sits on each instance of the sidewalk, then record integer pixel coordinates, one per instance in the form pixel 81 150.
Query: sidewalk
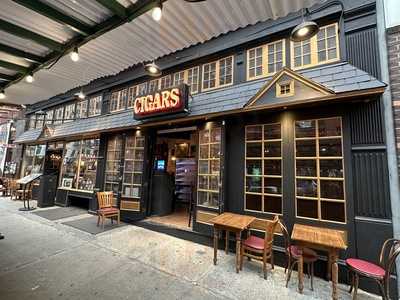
pixel 41 259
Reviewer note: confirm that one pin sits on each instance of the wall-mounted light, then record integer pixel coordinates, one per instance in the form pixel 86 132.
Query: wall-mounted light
pixel 81 95
pixel 152 69
pixel 304 31
pixel 156 13
pixel 29 78
pixel 75 55
pixel 2 94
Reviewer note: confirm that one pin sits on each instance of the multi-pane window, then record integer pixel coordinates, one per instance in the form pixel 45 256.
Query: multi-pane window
pixel 319 170
pixel 153 85
pixel 118 100
pixel 209 167
pixel 114 156
pixel 190 77
pixel 265 60
pixel 59 115
pixel 133 92
pixel 165 82
pixel 179 78
pixel 321 48
pixel 69 114
pixel 32 122
pixel 285 89
pixel 263 180
pixel 49 116
pixel 94 106
pixel 142 88
pixel 218 73
pixel 133 166
pixel 39 121
pixel 81 109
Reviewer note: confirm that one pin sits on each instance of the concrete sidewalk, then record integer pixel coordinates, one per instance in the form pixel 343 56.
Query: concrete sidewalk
pixel 41 259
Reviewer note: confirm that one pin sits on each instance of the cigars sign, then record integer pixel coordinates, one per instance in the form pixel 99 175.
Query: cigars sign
pixel 160 103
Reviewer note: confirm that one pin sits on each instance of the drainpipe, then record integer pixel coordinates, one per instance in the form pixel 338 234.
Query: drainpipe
pixel 389 125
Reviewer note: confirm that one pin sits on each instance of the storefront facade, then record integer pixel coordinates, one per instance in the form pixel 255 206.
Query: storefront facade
pixel 271 127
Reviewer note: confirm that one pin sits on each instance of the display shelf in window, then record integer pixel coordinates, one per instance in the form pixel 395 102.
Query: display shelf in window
pixel 263 168
pixel 320 186
pixel 208 181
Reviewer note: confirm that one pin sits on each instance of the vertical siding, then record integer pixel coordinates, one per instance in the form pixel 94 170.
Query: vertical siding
pixel 362 50
pixel 366 124
pixel 371 190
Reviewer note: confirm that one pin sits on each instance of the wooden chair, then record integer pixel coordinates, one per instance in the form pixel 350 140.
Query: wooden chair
pixel 258 248
pixel 292 256
pixel 13 186
pixel 106 208
pixel 380 273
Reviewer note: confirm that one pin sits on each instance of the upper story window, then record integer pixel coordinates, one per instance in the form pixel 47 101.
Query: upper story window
pixel 285 89
pixel 49 116
pixel 81 109
pixel 94 106
pixel 32 122
pixel 265 60
pixel 321 48
pixel 133 92
pixel 59 115
pixel 118 100
pixel 165 82
pixel 69 114
pixel 190 77
pixel 218 73
pixel 179 78
pixel 39 121
pixel 153 85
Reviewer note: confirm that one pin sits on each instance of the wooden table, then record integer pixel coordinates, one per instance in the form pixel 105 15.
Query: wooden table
pixel 230 222
pixel 320 238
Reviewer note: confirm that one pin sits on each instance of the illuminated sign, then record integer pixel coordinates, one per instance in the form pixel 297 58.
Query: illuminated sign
pixel 168 101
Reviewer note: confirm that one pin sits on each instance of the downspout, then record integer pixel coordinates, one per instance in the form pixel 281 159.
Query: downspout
pixel 389 125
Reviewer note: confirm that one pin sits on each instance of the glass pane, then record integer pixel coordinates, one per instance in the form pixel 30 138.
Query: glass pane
pixel 202 198
pixel 213 183
pixel 329 127
pixel 137 178
pixel 307 187
pixel 204 151
pixel 330 147
pixel 137 166
pixel 253 133
pixel 332 189
pixel 254 202
pixel 331 168
pixel 333 211
pixel 273 204
pixel 307 59
pixel 254 167
pixel 128 166
pixel 306 148
pixel 332 53
pixel 214 199
pixel 321 56
pixel 215 166
pixel 272 149
pixel 139 154
pixel 305 129
pixel 128 177
pixel 204 136
pixel 253 184
pixel 129 154
pixel 272 131
pixel 215 150
pixel 215 135
pixel 306 167
pixel 140 142
pixel 307 208
pixel 203 182
pixel 272 185
pixel 203 167
pixel 88 164
pixel 273 167
pixel 253 150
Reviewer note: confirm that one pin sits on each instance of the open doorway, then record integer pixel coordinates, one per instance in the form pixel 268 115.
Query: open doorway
pixel 174 177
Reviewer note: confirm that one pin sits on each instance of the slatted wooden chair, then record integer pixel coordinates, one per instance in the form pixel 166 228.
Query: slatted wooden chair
pixel 106 208
pixel 260 248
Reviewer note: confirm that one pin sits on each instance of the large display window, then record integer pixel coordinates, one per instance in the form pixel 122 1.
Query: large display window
pixel 33 160
pixel 80 165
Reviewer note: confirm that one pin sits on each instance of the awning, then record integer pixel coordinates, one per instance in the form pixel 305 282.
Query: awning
pixel 341 79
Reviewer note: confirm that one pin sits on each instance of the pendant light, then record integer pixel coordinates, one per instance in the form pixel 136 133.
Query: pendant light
pixel 74 55
pixel 156 13
pixel 29 78
pixel 2 94
pixel 304 31
pixel 81 95
pixel 152 69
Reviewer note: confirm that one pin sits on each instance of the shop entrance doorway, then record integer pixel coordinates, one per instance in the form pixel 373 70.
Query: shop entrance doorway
pixel 174 177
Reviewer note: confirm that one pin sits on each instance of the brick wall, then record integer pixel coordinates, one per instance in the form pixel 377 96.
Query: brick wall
pixel 393 41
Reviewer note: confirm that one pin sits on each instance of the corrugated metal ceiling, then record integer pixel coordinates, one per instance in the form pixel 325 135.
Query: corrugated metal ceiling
pixel 183 24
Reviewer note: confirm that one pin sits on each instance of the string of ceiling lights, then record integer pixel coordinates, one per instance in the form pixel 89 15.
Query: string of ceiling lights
pixel 303 31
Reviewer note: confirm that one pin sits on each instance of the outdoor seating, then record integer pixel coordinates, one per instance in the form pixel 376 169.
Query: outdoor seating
pixel 380 273
pixel 293 255
pixel 107 208
pixel 260 248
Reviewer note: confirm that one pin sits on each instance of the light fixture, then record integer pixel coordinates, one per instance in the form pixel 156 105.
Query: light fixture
pixel 304 31
pixel 2 94
pixel 81 95
pixel 29 78
pixel 156 13
pixel 194 1
pixel 152 69
pixel 75 55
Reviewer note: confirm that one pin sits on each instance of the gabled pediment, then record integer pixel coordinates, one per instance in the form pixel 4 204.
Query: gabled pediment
pixel 286 87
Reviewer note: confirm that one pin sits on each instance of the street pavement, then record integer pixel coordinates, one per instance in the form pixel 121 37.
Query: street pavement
pixel 42 259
